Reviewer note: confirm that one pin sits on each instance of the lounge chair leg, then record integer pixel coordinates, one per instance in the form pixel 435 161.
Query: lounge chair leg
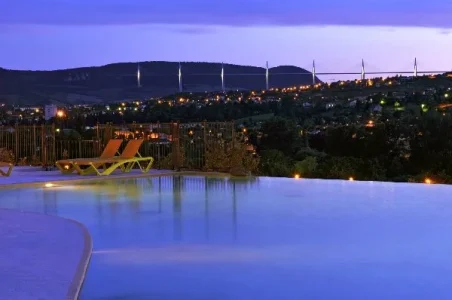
pixel 8 172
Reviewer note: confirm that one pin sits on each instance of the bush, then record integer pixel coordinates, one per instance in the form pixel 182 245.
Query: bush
pixel 231 156
pixel 306 167
pixel 217 156
pixel 275 163
pixel 308 152
pixel 167 163
pixel 7 155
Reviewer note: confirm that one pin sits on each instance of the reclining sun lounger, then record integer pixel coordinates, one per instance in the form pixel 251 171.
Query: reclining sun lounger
pixel 6 165
pixel 66 166
pixel 126 161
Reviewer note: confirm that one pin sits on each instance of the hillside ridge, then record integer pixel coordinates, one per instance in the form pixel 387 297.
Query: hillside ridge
pixel 118 81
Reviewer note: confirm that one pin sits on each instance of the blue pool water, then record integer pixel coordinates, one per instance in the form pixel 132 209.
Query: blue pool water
pixel 188 237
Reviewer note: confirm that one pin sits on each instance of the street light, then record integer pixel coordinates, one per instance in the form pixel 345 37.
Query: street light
pixel 60 114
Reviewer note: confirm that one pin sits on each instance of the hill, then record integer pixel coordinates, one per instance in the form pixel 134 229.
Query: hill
pixel 116 82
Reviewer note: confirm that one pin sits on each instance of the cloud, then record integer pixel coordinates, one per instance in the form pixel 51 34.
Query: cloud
pixel 230 13
pixel 192 29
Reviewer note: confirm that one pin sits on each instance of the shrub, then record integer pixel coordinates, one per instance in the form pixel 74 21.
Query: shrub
pixel 7 155
pixel 275 163
pixel 230 156
pixel 306 167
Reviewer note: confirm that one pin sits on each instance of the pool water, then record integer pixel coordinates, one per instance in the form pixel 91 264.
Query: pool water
pixel 189 237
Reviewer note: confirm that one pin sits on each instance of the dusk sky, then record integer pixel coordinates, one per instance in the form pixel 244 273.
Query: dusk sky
pixel 387 34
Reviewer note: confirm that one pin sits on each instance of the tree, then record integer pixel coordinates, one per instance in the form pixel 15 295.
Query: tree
pixel 280 134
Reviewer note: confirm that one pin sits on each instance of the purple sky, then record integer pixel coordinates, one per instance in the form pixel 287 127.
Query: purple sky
pixel 388 34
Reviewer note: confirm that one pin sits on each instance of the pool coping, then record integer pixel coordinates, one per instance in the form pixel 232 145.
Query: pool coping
pixel 82 268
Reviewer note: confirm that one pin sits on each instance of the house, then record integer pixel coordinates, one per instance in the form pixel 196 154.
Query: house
pixel 352 103
pixel 398 95
pixel 329 105
pixel 377 108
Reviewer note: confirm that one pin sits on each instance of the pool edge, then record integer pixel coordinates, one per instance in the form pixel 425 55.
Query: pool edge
pixel 76 285
pixel 111 177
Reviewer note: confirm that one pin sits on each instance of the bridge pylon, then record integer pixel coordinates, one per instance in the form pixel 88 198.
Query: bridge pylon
pixel 266 76
pixel 179 75
pixel 222 78
pixel 313 72
pixel 138 75
pixel 363 70
pixel 415 67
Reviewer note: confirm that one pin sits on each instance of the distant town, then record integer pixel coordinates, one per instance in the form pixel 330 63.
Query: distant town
pixel 395 128
pixel 376 95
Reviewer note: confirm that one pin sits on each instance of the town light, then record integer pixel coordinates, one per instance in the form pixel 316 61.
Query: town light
pixel 428 181
pixel 296 176
pixel 60 113
pixel 351 179
pixel 370 123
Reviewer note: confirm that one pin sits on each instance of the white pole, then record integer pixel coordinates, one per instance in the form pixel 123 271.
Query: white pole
pixel 138 76
pixel 415 67
pixel 180 78
pixel 222 78
pixel 313 72
pixel 363 71
pixel 266 77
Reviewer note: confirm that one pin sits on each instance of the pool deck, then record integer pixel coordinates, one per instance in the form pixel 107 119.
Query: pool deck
pixel 37 177
pixel 42 256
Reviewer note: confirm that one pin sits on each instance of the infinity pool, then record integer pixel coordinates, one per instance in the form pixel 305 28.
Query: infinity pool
pixel 187 237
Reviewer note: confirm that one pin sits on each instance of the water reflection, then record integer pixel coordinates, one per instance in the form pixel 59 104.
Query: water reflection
pixel 110 202
pixel 50 202
pixel 177 206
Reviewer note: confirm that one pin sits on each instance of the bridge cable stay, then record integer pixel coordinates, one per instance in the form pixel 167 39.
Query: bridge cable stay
pixel 319 70
pixel 358 69
pixel 409 68
pixel 372 69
